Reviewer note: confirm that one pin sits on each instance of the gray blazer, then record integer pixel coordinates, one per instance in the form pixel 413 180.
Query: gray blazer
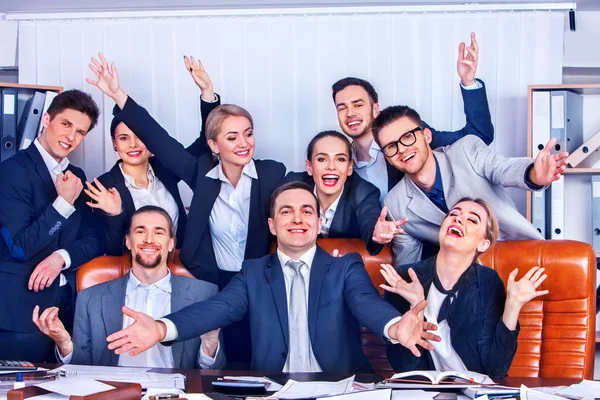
pixel 98 314
pixel 469 169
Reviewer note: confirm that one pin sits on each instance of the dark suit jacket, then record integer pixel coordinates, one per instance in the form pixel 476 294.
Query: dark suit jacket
pixel 341 297
pixel 197 252
pixel 479 123
pixel 98 314
pixel 357 211
pixel 478 335
pixel 116 226
pixel 31 230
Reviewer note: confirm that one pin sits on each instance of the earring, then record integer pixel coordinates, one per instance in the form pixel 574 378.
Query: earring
pixel 115 148
pixel 217 152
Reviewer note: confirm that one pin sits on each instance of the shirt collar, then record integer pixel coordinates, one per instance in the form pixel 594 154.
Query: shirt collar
pixel 374 153
pixel 163 284
pixel 52 165
pixel 217 172
pixel 333 205
pixel 130 182
pixel 306 258
pixel 437 185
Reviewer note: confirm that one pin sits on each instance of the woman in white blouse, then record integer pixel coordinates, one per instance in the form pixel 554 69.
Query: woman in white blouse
pixel 477 321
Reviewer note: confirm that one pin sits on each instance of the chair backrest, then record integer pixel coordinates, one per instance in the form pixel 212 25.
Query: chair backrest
pixel 557 338
pixel 106 268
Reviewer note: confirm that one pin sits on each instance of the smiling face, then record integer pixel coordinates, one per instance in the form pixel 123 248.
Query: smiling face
pixel 64 133
pixel 464 228
pixel 330 165
pixel 411 159
pixel 129 147
pixel 355 111
pixel 235 141
pixel 295 221
pixel 149 240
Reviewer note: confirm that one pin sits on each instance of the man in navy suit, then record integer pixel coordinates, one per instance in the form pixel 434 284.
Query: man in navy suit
pixel 47 229
pixel 305 306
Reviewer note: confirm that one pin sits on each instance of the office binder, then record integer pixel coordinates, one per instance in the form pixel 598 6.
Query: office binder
pixel 47 101
pixel 566 120
pixel 596 213
pixel 587 154
pixel 540 127
pixel 30 121
pixel 121 391
pixel 8 123
pixel 555 209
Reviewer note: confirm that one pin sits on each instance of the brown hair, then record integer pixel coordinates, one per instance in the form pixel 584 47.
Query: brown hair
pixel 390 115
pixel 290 186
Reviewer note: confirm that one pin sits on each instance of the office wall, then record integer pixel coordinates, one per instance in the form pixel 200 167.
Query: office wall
pixel 281 69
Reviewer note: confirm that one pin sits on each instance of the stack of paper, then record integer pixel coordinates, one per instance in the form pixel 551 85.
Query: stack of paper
pixel 302 390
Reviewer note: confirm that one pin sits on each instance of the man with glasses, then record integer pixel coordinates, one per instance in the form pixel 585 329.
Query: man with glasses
pixel 436 179
pixel 357 105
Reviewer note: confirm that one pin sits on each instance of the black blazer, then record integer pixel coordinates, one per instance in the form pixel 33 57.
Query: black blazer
pixel 357 211
pixel 478 335
pixel 197 252
pixel 116 226
pixel 31 230
pixel 479 123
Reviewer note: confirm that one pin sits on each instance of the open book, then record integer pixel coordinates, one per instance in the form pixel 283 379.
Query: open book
pixel 442 378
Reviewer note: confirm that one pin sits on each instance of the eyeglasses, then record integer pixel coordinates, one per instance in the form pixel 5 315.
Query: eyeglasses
pixel 406 139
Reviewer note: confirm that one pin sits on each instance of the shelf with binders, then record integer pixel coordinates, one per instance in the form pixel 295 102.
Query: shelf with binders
pixel 569 113
pixel 21 109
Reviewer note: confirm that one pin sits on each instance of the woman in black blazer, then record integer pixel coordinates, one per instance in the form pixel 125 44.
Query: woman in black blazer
pixel 358 212
pixel 231 190
pixel 477 321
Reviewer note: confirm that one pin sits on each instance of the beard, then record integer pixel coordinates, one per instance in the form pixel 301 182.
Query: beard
pixel 150 264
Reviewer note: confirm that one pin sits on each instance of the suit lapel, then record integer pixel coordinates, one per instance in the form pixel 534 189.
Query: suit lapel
pixel 274 275
pixel 119 182
pixel 200 216
pixel 254 218
pixel 420 205
pixel 42 170
pixel 451 196
pixel 467 294
pixel 112 315
pixel 180 298
pixel 394 176
pixel 318 271
pixel 340 219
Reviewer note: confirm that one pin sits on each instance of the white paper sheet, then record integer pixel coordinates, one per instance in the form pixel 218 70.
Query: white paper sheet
pixel 72 370
pixel 14 371
pixel 587 390
pixel 75 386
pixel 413 395
pixel 383 394
pixel 301 390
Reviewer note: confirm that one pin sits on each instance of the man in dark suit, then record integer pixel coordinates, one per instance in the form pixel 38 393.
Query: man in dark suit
pixel 47 229
pixel 357 106
pixel 148 286
pixel 305 306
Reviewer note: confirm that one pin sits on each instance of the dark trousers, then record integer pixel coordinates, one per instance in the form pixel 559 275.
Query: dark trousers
pixel 35 346
pixel 236 337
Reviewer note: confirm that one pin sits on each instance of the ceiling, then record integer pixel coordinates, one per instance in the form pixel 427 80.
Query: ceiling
pixel 7 6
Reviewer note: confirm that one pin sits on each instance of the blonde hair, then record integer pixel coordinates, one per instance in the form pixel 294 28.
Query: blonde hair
pixel 491 227
pixel 220 114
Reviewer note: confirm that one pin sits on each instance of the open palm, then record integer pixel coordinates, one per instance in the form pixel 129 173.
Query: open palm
pixel 108 79
pixel 525 289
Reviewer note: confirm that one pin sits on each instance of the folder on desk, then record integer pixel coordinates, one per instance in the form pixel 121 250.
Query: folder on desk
pixel 566 120
pixel 555 206
pixel 587 154
pixel 30 121
pixel 596 213
pixel 540 129
pixel 121 391
pixel 8 123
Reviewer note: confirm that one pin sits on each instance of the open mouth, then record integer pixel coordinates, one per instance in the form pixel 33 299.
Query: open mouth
pixel 297 231
pixel 243 153
pixel 455 231
pixel 134 153
pixel 64 145
pixel 330 180
pixel 354 123
pixel 409 156
pixel 149 250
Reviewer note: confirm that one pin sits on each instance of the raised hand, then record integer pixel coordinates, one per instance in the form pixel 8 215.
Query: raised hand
pixel 547 167
pixel 412 292
pixel 50 325
pixel 108 80
pixel 138 337
pixel 411 330
pixel 210 343
pixel 108 200
pixel 385 230
pixel 200 77
pixel 46 272
pixel 68 186
pixel 467 61
pixel 524 290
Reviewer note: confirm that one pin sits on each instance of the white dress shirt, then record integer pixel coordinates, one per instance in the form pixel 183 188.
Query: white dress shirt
pixel 375 169
pixel 65 209
pixel 156 194
pixel 443 354
pixel 155 301
pixel 327 216
pixel 229 217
